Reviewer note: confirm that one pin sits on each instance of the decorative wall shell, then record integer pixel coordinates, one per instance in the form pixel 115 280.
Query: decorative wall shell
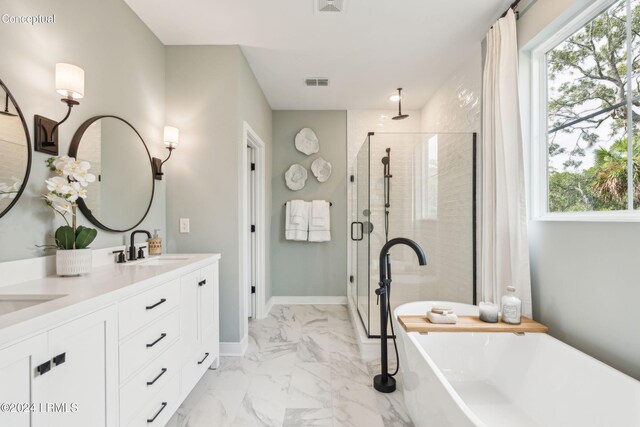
pixel 321 169
pixel 296 177
pixel 307 142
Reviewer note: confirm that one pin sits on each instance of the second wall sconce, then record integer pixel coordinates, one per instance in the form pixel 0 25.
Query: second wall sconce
pixel 171 140
pixel 70 84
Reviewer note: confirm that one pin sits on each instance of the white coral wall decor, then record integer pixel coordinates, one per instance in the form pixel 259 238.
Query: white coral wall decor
pixel 296 177
pixel 307 142
pixel 321 169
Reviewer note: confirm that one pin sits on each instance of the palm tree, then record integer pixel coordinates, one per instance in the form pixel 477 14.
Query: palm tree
pixel 610 178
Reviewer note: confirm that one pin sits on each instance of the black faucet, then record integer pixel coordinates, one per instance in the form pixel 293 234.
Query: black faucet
pixel 132 246
pixel 384 382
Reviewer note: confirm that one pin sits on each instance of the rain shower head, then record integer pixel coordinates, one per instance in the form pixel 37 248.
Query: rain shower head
pixel 400 116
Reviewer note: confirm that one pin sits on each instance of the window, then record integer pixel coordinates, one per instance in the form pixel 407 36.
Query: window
pixel 589 110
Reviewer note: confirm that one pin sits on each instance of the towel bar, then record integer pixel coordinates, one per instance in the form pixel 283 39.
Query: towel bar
pixel 330 204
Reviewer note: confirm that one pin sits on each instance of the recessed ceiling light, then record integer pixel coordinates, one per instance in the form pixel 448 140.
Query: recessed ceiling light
pixel 382 117
pixel 394 98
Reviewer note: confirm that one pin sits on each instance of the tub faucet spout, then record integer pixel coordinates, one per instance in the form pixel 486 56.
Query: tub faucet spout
pixel 384 382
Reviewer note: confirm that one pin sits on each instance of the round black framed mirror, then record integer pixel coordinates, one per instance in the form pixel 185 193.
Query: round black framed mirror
pixel 15 151
pixel 121 197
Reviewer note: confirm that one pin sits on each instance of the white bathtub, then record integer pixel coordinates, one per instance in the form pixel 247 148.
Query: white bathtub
pixel 507 380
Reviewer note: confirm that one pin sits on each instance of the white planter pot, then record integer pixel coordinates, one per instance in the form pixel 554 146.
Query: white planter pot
pixel 73 262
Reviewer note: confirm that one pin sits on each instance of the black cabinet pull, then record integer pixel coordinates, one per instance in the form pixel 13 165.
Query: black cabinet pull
pixel 162 335
pixel 203 359
pixel 202 282
pixel 44 368
pixel 150 420
pixel 158 377
pixel 60 359
pixel 151 307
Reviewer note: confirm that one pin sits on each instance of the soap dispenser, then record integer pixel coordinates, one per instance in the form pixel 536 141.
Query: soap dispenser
pixel 511 307
pixel 155 244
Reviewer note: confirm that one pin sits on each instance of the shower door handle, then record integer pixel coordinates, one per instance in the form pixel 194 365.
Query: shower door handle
pixel 353 234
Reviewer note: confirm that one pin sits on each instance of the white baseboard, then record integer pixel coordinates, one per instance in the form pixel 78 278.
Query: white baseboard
pixel 234 349
pixel 268 307
pixel 282 300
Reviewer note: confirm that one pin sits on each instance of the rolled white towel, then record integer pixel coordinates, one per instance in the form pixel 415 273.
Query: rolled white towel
pixel 449 318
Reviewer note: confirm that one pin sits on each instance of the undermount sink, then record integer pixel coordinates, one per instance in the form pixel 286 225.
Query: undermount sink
pixel 10 303
pixel 157 261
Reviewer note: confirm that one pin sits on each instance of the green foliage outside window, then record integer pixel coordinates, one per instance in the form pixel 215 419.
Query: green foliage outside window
pixel 588 115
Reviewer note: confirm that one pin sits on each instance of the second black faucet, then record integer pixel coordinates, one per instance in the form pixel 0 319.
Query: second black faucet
pixel 132 245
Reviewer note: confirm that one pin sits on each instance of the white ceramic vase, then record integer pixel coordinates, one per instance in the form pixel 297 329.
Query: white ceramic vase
pixel 73 262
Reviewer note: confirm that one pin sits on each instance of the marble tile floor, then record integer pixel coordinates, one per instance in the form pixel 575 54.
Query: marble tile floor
pixel 302 368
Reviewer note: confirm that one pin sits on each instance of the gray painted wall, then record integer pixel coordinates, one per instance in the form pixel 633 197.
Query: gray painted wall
pixel 584 274
pixel 303 268
pixel 124 76
pixel 210 92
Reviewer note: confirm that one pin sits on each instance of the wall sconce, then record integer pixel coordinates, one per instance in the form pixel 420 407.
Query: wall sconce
pixel 171 140
pixel 70 84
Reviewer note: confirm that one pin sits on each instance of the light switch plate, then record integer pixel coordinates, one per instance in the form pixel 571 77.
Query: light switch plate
pixel 184 225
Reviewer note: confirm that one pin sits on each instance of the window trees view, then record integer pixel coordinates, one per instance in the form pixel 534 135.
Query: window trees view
pixel 593 106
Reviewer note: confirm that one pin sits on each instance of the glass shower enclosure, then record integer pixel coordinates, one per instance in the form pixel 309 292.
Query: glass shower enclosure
pixel 421 186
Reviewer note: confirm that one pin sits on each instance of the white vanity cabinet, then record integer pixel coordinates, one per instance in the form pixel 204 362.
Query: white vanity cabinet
pixel 66 373
pixel 19 381
pixel 124 351
pixel 200 326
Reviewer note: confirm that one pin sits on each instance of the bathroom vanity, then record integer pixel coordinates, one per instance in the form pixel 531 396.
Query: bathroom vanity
pixel 122 346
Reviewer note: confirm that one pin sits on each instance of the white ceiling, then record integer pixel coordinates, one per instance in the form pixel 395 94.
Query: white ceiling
pixel 366 52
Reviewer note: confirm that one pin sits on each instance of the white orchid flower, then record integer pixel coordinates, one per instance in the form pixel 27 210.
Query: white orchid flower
pixel 79 190
pixel 58 203
pixel 10 190
pixel 58 184
pixel 69 185
pixel 81 173
pixel 5 191
pixel 62 164
pixel 63 188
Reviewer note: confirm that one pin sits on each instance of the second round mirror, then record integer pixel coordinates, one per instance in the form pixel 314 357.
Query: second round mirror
pixel 119 158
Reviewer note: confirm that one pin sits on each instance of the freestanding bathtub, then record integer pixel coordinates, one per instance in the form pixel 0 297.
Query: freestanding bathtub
pixel 506 380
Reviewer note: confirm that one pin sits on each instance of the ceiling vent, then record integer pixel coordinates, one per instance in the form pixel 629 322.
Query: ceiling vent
pixel 330 6
pixel 316 81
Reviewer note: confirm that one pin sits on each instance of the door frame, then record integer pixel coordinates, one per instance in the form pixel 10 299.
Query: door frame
pixel 251 139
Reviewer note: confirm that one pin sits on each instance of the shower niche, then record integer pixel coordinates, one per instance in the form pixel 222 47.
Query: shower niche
pixel 421 186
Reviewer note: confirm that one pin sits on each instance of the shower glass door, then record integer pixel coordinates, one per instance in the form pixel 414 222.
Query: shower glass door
pixel 360 233
pixel 428 196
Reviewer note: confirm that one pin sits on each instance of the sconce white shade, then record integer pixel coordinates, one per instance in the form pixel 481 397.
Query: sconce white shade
pixel 70 80
pixel 171 136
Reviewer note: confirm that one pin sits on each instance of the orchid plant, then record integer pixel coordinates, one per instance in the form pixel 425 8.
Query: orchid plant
pixel 69 185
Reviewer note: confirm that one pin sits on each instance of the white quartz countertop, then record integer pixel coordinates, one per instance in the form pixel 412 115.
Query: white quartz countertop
pixel 78 296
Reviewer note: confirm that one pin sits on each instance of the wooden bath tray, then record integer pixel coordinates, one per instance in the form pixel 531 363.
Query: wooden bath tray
pixel 468 324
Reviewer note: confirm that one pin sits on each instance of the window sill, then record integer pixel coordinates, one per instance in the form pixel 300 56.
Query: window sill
pixel 619 216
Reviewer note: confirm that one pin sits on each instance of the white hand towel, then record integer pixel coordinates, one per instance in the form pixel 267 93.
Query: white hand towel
pixel 319 212
pixel 321 232
pixel 299 211
pixel 297 231
pixel 450 318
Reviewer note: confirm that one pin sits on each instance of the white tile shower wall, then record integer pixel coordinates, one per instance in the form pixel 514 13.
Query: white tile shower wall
pixel 456 105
